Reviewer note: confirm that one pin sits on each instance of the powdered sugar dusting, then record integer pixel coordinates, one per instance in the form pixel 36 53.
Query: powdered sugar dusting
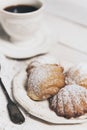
pixel 67 100
pixel 76 74
pixel 39 75
pixel 75 91
pixel 71 96
pixel 59 104
pixel 82 67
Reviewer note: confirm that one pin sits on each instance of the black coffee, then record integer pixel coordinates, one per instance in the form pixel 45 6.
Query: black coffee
pixel 21 8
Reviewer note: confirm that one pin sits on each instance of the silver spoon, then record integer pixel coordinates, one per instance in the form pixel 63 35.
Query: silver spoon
pixel 14 113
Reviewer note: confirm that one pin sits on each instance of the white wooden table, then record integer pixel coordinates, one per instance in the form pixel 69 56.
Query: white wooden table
pixel 67 35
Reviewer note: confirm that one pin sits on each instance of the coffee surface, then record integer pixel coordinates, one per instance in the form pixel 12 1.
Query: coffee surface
pixel 21 8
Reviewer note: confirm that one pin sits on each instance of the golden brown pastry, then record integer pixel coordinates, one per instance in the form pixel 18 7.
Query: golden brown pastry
pixel 70 101
pixel 44 80
pixel 77 75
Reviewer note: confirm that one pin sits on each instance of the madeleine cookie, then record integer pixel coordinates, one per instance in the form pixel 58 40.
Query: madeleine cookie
pixel 44 81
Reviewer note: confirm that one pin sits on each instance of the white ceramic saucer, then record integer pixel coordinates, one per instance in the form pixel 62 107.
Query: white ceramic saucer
pixel 39 44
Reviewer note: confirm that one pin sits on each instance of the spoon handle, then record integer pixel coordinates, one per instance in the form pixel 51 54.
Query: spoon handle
pixel 5 91
pixel 14 113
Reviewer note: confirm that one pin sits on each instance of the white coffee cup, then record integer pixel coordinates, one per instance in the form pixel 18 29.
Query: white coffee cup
pixel 21 26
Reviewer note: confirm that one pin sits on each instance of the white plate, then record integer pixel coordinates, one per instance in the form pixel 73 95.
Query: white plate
pixel 38 109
